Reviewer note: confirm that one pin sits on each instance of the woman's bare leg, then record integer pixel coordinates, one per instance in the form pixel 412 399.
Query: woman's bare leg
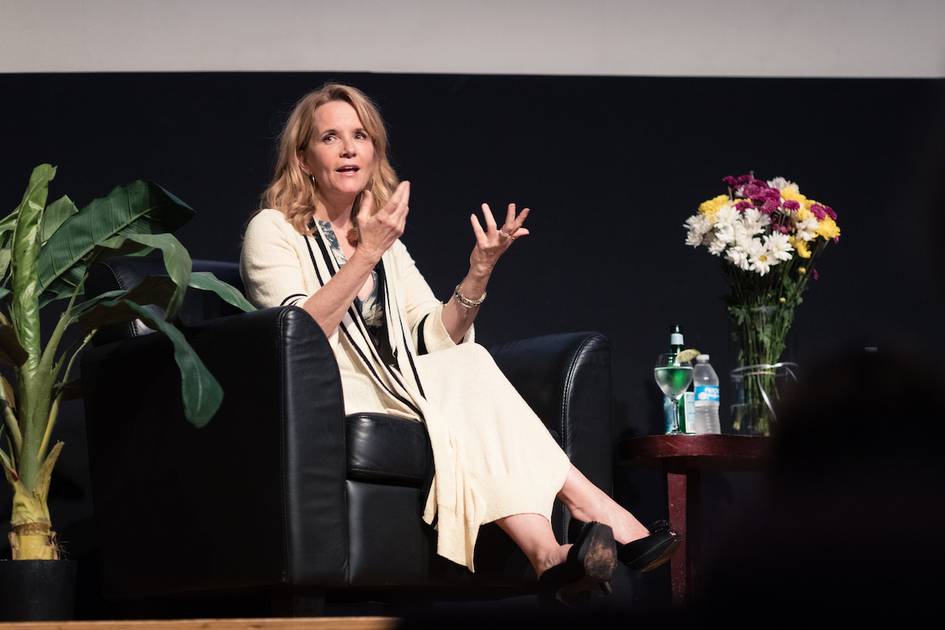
pixel 533 534
pixel 588 503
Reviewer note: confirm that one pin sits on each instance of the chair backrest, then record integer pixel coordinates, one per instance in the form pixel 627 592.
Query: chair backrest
pixel 127 271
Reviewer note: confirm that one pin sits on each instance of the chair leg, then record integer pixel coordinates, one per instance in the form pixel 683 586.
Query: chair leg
pixel 299 604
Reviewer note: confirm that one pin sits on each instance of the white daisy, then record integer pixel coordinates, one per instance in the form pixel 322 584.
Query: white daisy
pixel 725 232
pixel 754 220
pixel 739 257
pixel 717 246
pixel 741 232
pixel 761 262
pixel 693 238
pixel 778 247
pixel 806 229
pixel 726 215
pixel 782 184
pixel 697 226
pixel 699 223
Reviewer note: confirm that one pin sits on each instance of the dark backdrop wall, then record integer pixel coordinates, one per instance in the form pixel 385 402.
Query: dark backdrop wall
pixel 611 168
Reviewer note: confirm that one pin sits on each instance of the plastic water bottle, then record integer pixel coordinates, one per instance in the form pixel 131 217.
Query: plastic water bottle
pixel 706 381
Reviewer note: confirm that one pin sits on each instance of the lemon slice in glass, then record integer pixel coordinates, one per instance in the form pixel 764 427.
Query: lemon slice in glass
pixel 687 355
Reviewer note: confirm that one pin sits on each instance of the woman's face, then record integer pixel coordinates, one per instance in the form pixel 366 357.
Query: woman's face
pixel 340 153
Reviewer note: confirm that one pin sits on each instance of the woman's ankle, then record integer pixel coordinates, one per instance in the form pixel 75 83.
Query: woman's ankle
pixel 552 557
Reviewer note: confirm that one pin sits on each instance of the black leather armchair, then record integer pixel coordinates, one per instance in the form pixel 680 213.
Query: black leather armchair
pixel 281 493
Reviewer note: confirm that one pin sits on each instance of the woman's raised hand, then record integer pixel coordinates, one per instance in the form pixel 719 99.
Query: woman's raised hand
pixel 492 241
pixel 378 231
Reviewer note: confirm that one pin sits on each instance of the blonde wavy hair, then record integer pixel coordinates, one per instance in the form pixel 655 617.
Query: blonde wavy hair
pixel 291 191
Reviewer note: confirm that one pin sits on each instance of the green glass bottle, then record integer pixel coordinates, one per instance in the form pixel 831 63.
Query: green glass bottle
pixel 676 344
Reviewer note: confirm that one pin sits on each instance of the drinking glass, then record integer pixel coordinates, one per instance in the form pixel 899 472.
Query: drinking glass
pixel 673 376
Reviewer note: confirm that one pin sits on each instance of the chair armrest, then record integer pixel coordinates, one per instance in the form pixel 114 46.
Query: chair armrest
pixel 566 379
pixel 256 497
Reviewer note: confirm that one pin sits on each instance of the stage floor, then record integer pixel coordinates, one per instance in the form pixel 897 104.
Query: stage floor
pixel 311 623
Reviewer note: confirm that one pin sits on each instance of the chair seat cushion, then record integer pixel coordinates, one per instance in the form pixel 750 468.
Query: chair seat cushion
pixel 388 449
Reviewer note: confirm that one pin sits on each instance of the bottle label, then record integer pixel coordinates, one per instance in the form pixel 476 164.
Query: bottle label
pixel 707 393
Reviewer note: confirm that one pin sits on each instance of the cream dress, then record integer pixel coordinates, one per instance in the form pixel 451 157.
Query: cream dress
pixel 492 455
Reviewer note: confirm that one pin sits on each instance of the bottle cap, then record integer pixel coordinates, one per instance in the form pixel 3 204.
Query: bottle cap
pixel 702 358
pixel 676 338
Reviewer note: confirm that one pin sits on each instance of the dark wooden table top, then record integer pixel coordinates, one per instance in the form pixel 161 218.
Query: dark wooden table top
pixel 702 452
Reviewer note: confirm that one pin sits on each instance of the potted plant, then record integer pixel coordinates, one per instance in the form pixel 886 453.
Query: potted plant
pixel 45 256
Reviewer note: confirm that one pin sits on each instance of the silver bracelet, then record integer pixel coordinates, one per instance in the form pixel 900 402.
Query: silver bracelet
pixel 465 301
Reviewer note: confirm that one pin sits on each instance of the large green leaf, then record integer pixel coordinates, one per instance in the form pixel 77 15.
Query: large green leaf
pixel 206 281
pixel 99 311
pixel 64 286
pixel 24 262
pixel 8 222
pixel 25 319
pixel 11 352
pixel 176 261
pixel 5 255
pixel 138 208
pixel 56 214
pixel 200 392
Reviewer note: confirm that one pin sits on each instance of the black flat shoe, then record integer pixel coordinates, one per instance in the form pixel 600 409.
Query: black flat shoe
pixel 651 551
pixel 590 564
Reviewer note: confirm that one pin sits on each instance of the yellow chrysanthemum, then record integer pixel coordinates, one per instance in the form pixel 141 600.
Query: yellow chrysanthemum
pixel 795 196
pixel 802 250
pixel 828 229
pixel 710 207
pixel 802 213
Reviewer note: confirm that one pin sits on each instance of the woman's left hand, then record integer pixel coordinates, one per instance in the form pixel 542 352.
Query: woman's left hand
pixel 492 241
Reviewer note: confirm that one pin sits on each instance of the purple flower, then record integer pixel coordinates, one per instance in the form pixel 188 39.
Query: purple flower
pixel 741 206
pixel 783 229
pixel 830 212
pixel 769 206
pixel 791 205
pixel 814 274
pixel 743 179
pixel 756 189
pixel 818 211
pixel 773 193
pixel 729 181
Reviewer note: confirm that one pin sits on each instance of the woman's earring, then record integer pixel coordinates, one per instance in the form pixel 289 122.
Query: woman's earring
pixel 312 177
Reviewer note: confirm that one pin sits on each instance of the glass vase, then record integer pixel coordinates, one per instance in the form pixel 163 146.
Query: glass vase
pixel 756 390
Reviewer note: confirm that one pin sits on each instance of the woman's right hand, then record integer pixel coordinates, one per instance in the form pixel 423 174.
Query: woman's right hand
pixel 378 230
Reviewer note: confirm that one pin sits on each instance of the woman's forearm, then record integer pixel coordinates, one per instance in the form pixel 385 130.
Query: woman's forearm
pixel 328 305
pixel 457 318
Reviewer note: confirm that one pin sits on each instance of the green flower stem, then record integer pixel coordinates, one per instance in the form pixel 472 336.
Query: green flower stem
pixel 761 310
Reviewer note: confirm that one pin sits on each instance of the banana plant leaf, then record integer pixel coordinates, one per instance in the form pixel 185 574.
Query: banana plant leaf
pixel 200 392
pixel 5 255
pixel 25 308
pixel 206 281
pixel 177 262
pixel 64 286
pixel 138 208
pixel 8 222
pixel 55 215
pixel 94 313
pixel 70 391
pixel 11 352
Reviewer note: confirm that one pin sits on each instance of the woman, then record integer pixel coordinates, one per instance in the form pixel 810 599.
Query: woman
pixel 328 242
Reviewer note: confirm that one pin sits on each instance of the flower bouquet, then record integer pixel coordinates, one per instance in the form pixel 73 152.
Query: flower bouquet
pixel 768 236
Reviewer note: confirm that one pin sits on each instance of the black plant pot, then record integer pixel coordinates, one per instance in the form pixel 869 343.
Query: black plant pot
pixel 37 590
